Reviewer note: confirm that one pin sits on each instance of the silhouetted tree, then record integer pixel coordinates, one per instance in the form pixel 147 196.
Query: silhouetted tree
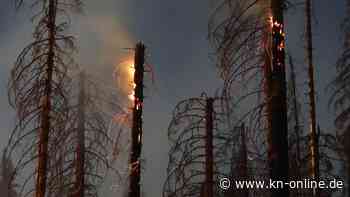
pixel 201 149
pixel 6 185
pixel 340 98
pixel 38 90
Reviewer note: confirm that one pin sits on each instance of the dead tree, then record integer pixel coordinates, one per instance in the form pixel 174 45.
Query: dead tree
pixel 6 170
pixel 299 143
pixel 295 111
pixel 244 160
pixel 297 137
pixel 201 148
pixel 242 168
pixel 84 165
pixel 90 137
pixel 249 41
pixel 278 139
pixel 80 150
pixel 340 98
pixel 37 87
pixel 237 31
pixel 209 167
pixel 136 132
pixel 314 139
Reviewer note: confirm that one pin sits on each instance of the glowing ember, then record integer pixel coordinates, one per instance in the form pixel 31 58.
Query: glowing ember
pixel 278 34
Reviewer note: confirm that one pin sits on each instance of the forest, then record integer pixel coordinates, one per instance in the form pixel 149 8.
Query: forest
pixel 220 98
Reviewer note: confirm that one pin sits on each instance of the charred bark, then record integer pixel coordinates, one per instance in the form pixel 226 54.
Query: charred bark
pixel 136 132
pixel 209 159
pixel 278 154
pixel 80 150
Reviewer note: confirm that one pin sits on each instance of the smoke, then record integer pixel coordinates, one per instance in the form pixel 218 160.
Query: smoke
pixel 102 38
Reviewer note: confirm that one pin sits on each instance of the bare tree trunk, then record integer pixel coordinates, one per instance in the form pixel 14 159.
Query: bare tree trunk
pixel 313 136
pixel 46 108
pixel 136 133
pixel 243 170
pixel 296 122
pixel 209 149
pixel 60 172
pixel 295 112
pixel 80 150
pixel 278 151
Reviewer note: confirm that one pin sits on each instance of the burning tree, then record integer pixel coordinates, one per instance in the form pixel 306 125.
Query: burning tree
pixel 249 40
pixel 136 131
pixel 130 76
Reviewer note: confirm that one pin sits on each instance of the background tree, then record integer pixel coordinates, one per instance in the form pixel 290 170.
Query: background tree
pixel 340 98
pixel 39 89
pixel 245 49
pixel 197 159
pixel 6 187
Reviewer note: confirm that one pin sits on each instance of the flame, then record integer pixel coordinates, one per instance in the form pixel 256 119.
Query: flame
pixel 125 74
pixel 270 21
pixel 133 85
pixel 131 70
pixel 131 97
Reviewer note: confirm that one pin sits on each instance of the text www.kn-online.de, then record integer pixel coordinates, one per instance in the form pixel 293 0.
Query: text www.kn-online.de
pixel 226 183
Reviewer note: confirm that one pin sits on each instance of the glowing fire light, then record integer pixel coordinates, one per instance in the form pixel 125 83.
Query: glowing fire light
pixel 279 36
pixel 131 71
pixel 271 21
pixel 131 74
pixel 124 76
pixel 131 97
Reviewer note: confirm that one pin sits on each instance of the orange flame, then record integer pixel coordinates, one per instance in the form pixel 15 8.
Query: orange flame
pixel 132 73
pixel 125 75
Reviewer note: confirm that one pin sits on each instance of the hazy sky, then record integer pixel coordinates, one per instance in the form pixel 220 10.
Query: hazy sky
pixel 175 33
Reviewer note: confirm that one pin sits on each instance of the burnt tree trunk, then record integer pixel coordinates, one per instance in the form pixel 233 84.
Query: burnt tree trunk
pixel 80 149
pixel 209 174
pixel 136 133
pixel 296 169
pixel 243 164
pixel 46 108
pixel 295 113
pixel 278 142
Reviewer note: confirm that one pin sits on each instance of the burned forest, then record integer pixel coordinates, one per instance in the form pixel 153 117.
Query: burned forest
pixel 212 98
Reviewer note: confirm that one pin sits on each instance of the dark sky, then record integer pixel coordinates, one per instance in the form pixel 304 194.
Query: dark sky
pixel 175 33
